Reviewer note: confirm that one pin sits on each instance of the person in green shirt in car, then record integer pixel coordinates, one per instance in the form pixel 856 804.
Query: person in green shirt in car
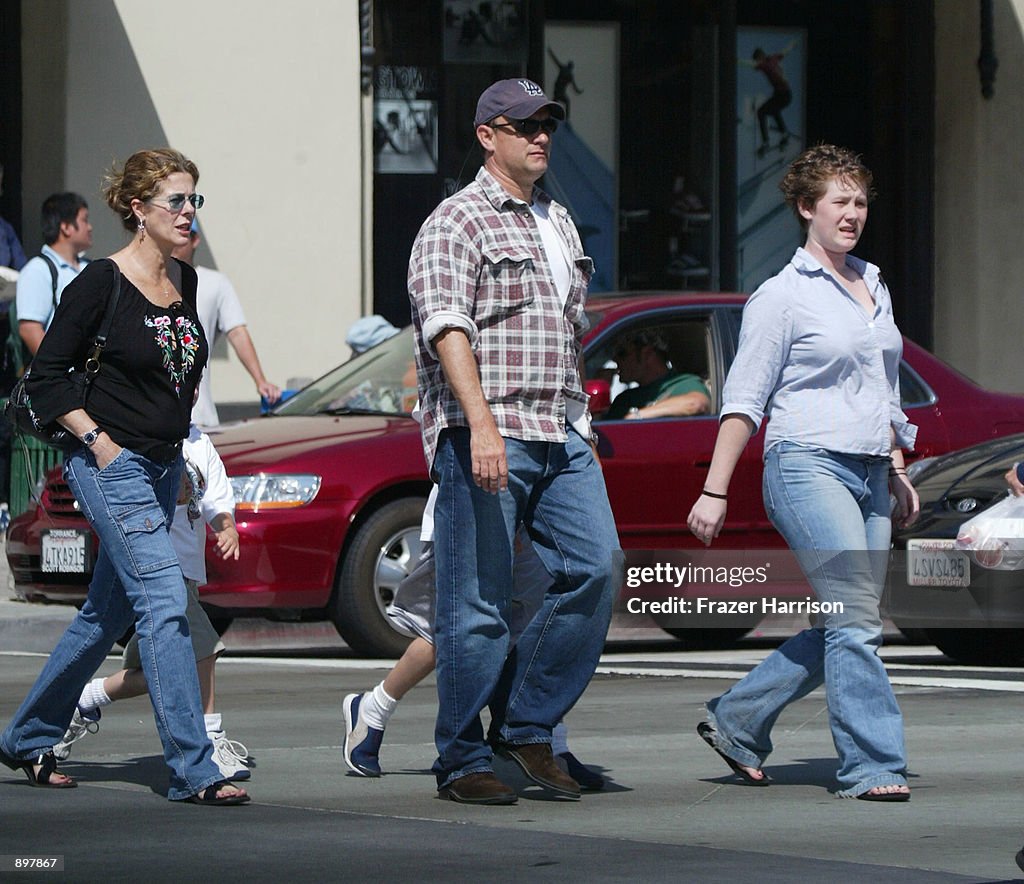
pixel 642 357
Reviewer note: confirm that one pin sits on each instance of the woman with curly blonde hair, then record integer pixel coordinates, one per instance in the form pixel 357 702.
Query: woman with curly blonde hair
pixel 125 474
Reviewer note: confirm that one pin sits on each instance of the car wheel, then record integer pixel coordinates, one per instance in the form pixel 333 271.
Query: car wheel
pixel 708 639
pixel 383 551
pixel 980 647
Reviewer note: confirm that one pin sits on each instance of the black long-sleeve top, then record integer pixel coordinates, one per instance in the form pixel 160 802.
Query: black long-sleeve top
pixel 142 396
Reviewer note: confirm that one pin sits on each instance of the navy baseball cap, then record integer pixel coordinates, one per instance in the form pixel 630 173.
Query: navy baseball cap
pixel 518 99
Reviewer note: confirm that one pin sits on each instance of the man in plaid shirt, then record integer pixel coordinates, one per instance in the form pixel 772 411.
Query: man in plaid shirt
pixel 498 281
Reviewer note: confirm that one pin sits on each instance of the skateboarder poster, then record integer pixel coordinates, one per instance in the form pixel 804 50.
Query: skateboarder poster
pixel 770 117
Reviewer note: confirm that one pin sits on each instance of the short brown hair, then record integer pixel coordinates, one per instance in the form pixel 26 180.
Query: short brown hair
pixel 139 179
pixel 807 178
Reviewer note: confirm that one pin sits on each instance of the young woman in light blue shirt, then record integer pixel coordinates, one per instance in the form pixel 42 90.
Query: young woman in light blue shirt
pixel 819 355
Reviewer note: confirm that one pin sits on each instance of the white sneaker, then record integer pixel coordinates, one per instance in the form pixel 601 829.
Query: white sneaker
pixel 230 756
pixel 79 727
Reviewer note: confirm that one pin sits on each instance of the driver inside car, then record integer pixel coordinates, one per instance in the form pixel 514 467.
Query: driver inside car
pixel 642 358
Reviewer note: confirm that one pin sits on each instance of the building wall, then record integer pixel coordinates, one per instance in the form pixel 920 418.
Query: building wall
pixel 269 107
pixel 266 101
pixel 979 195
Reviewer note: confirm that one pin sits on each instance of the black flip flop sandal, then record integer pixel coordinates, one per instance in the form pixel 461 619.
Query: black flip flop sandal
pixel 209 796
pixel 47 765
pixel 706 731
pixel 884 796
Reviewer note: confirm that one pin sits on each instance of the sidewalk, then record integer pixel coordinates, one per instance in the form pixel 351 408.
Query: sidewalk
pixel 31 628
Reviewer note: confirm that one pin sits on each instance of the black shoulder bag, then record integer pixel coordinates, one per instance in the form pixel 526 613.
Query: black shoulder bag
pixel 18 409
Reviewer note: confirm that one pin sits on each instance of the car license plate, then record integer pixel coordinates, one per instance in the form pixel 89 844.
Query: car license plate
pixel 937 563
pixel 65 551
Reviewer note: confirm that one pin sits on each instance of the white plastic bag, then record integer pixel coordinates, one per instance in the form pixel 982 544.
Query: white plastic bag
pixel 995 538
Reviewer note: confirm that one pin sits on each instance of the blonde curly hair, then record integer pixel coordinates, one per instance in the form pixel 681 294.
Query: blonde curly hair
pixel 139 179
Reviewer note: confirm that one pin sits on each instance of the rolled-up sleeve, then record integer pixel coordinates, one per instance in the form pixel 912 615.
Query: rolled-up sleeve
pixel 765 339
pixel 34 294
pixel 904 430
pixel 443 280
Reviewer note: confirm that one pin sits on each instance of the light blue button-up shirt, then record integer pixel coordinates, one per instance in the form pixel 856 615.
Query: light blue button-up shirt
pixel 817 365
pixel 35 286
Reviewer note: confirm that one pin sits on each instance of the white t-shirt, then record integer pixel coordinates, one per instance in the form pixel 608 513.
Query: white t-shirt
pixel 189 538
pixel 219 311
pixel 557 251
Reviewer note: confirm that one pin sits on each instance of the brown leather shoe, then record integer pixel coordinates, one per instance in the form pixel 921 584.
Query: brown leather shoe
pixel 478 788
pixel 538 764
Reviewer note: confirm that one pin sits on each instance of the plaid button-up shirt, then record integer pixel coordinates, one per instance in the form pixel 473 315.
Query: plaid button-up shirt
pixel 478 263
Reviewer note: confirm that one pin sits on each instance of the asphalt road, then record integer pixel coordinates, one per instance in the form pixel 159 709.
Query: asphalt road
pixel 671 812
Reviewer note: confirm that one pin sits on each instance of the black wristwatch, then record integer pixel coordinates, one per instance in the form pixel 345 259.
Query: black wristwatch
pixel 89 439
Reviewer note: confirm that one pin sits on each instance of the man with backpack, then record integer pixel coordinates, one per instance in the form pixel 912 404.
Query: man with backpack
pixel 67 234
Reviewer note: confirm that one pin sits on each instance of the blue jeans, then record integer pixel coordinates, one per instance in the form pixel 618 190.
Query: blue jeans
pixel 833 511
pixel 557 491
pixel 137 579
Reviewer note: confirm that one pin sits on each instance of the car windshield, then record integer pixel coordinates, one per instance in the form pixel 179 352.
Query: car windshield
pixel 380 381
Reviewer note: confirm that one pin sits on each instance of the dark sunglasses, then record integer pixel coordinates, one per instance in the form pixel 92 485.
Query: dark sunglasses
pixel 176 201
pixel 528 127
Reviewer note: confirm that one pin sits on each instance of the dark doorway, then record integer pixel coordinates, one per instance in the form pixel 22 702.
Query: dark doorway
pixel 870 87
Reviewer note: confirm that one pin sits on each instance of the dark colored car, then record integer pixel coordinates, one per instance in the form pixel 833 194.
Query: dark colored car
pixel 330 487
pixel 971 613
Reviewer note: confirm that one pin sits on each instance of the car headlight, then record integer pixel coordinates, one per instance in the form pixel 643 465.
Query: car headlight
pixel 274 491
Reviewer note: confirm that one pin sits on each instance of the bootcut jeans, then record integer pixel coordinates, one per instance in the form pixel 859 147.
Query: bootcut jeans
pixel 834 512
pixel 557 491
pixel 129 504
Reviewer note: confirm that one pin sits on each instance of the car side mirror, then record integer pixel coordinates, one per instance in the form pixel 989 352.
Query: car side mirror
pixel 600 393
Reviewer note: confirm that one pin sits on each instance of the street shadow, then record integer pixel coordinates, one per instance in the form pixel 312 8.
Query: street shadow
pixel 803 772
pixel 145 770
pixel 800 772
pixel 508 772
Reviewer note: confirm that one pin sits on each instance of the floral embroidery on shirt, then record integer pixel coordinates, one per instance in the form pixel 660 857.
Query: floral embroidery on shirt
pixel 178 343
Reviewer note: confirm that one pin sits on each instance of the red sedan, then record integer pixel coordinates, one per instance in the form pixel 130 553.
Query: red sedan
pixel 330 487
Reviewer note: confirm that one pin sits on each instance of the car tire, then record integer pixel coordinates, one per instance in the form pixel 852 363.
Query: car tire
pixel 980 647
pixel 384 549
